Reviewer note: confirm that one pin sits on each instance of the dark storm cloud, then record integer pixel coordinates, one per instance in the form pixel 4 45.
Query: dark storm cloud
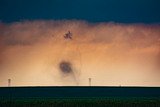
pixel 65 67
pixel 122 11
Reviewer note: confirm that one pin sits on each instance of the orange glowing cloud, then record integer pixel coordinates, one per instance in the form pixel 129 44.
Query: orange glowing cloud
pixel 111 54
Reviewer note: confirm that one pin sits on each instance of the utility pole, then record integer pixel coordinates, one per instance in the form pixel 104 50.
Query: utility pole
pixel 9 82
pixel 89 81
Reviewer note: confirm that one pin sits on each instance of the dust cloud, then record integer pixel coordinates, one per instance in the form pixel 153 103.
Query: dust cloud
pixel 35 53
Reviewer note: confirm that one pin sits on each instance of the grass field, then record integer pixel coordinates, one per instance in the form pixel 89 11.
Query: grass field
pixel 79 96
pixel 81 102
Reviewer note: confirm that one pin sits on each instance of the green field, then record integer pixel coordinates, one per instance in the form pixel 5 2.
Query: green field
pixel 70 96
pixel 81 102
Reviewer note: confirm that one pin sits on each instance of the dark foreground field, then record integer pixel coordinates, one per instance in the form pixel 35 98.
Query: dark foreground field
pixel 79 97
pixel 81 102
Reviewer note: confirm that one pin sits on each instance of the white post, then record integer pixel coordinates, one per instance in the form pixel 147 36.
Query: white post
pixel 89 81
pixel 9 82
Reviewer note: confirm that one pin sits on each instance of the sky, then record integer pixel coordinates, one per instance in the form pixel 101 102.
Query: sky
pixel 121 11
pixel 114 42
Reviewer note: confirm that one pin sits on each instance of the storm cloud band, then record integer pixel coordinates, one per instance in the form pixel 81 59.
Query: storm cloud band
pixel 33 50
